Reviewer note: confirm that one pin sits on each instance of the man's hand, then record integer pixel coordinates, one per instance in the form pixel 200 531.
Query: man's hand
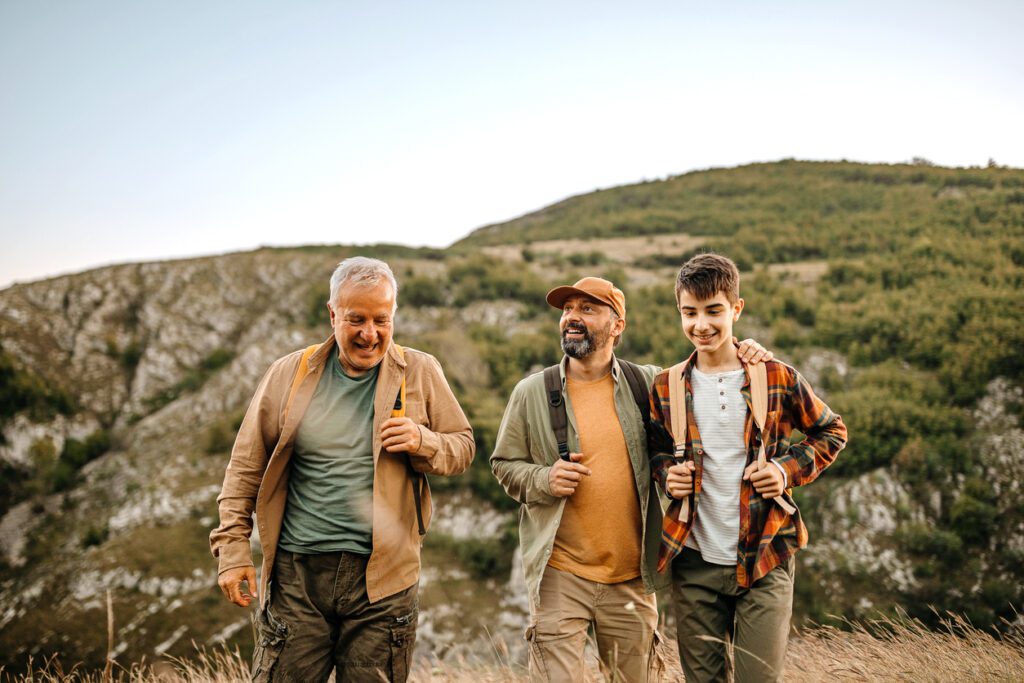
pixel 400 435
pixel 752 353
pixel 679 481
pixel 565 476
pixel 768 481
pixel 230 583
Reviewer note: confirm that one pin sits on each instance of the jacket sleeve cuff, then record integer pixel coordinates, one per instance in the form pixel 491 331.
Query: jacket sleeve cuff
pixel 785 476
pixel 790 467
pixel 232 555
pixel 430 443
pixel 542 483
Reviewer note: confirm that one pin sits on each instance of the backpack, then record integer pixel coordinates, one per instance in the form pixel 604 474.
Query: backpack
pixel 556 406
pixel 758 401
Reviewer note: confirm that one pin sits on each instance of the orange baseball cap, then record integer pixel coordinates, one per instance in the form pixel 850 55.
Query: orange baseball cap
pixel 596 288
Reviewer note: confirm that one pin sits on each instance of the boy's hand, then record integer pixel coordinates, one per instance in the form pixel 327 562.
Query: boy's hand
pixel 565 476
pixel 752 353
pixel 768 481
pixel 400 435
pixel 679 481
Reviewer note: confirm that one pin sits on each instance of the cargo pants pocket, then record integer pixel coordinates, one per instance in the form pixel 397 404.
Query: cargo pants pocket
pixel 403 638
pixel 538 667
pixel 270 634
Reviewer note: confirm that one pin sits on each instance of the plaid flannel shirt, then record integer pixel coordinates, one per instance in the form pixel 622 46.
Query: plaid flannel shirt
pixel 768 536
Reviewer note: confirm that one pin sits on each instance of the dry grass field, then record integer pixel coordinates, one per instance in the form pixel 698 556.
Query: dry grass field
pixel 884 650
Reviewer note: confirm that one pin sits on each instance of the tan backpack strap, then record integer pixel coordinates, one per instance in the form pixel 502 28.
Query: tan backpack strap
pixel 300 374
pixel 759 403
pixel 677 409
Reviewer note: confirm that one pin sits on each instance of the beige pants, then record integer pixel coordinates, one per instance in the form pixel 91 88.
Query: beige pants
pixel 624 620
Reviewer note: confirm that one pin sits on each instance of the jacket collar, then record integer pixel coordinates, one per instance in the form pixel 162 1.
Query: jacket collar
pixel 564 364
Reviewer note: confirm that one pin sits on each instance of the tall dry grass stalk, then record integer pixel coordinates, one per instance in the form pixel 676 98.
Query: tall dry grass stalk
pixel 900 649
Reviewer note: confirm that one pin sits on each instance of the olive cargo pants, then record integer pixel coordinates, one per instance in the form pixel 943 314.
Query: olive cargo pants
pixel 711 611
pixel 319 619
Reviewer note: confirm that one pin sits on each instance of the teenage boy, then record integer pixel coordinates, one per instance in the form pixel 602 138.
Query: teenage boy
pixel 727 534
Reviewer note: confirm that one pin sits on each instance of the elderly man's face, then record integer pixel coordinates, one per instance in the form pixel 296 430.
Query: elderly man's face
pixel 586 326
pixel 362 319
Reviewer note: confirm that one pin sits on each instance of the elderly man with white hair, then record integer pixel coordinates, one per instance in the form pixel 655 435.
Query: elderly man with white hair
pixel 331 458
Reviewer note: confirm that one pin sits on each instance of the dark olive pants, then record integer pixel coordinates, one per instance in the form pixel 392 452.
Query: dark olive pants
pixel 320 619
pixel 712 613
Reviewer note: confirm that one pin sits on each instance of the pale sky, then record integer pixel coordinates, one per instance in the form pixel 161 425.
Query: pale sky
pixel 142 130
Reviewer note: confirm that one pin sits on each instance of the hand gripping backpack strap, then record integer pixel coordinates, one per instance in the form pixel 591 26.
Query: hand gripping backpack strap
pixel 556 408
pixel 417 478
pixel 677 407
pixel 759 402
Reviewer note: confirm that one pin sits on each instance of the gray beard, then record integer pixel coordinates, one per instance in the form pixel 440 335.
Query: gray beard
pixel 578 348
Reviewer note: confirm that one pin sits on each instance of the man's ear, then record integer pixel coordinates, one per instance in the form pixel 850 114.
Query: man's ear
pixel 330 312
pixel 737 309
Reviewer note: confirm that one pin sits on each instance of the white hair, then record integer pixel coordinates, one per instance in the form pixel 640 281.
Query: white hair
pixel 361 270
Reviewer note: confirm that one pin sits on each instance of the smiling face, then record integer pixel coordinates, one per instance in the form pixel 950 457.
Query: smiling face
pixel 708 322
pixel 587 326
pixel 362 319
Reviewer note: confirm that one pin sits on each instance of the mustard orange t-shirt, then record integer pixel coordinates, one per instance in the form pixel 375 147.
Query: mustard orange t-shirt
pixel 599 536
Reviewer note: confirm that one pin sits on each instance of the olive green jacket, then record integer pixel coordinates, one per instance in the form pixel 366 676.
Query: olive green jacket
pixel 526 449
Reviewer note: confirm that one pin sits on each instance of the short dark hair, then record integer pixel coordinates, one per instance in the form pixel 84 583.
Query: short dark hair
pixel 705 275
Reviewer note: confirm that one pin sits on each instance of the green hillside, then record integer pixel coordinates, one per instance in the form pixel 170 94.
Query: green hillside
pixel 894 289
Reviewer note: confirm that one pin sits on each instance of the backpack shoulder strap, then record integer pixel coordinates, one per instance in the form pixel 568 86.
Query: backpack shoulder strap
pixel 556 407
pixel 398 410
pixel 677 415
pixel 300 374
pixel 638 385
pixel 677 405
pixel 758 392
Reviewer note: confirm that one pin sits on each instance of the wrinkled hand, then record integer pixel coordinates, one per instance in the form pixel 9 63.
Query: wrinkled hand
pixel 230 583
pixel 400 435
pixel 565 476
pixel 679 481
pixel 768 481
pixel 752 353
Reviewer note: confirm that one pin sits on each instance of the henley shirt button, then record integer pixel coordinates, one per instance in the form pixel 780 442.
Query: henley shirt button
pixel 723 407
pixel 720 380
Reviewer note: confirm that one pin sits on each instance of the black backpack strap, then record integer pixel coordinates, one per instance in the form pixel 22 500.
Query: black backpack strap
pixel 638 385
pixel 556 407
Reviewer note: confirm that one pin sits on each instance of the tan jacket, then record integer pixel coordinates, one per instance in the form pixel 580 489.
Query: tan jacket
pixel 256 479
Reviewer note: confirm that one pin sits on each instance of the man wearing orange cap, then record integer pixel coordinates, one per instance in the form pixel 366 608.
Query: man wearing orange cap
pixel 590 523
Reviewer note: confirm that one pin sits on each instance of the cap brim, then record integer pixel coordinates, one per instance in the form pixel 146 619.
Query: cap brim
pixel 558 296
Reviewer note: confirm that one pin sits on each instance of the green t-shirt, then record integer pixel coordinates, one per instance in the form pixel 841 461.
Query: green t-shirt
pixel 330 487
